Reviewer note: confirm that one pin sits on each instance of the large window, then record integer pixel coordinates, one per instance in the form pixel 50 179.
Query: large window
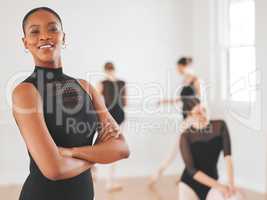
pixel 241 51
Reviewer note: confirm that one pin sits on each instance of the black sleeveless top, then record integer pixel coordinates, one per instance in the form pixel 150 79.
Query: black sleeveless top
pixel 114 94
pixel 187 92
pixel 72 122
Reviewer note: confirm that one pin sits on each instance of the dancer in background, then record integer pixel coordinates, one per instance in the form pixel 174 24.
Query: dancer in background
pixel 200 146
pixel 190 88
pixel 115 96
pixel 191 83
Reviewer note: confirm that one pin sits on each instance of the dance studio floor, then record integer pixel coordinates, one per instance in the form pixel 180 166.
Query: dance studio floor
pixel 134 189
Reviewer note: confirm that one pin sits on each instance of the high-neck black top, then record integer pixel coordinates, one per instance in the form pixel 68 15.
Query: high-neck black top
pixel 200 150
pixel 72 122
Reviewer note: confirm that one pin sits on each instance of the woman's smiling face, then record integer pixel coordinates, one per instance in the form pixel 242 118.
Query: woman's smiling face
pixel 44 37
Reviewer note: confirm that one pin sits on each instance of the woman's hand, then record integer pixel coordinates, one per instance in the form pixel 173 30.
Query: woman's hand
pixel 232 189
pixel 165 101
pixel 224 189
pixel 108 131
pixel 160 102
pixel 67 152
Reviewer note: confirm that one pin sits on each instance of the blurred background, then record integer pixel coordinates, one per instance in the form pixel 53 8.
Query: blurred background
pixel 144 39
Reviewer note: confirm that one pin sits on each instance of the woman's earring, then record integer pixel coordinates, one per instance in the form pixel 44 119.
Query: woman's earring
pixel 26 50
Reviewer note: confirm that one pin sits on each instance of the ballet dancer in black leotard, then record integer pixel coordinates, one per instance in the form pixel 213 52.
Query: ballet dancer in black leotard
pixel 190 89
pixel 58 116
pixel 200 146
pixel 114 93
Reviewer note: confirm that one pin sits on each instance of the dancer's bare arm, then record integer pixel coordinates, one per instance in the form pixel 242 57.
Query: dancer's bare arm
pixel 197 87
pixel 110 144
pixel 28 112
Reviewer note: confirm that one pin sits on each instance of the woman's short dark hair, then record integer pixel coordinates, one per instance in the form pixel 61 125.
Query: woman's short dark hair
pixel 24 21
pixel 184 61
pixel 189 104
pixel 109 66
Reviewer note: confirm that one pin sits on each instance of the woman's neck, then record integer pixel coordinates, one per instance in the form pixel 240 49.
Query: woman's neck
pixel 111 77
pixel 189 76
pixel 200 122
pixel 52 64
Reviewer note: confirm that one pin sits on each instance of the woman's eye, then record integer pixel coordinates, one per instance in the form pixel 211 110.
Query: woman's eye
pixel 34 32
pixel 53 29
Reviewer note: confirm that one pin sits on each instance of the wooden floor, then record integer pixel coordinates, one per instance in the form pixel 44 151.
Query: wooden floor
pixel 133 189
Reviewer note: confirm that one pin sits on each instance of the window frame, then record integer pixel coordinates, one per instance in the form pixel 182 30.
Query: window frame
pixel 230 46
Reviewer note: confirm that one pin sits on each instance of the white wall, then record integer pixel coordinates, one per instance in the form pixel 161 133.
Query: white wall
pixel 261 44
pixel 143 37
pixel 249 143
